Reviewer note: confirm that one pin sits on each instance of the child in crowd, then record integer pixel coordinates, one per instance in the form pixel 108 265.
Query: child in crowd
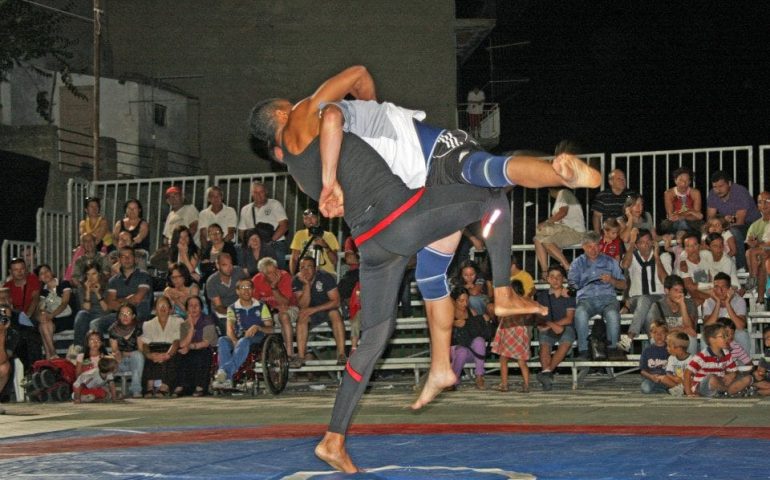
pixel 675 245
pixel 717 225
pixel 737 351
pixel 85 362
pixel 679 358
pixel 713 370
pixel 610 243
pixel 96 384
pixel 762 378
pixel 653 361
pixel 512 342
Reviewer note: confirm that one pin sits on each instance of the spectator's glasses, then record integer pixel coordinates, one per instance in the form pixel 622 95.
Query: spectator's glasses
pixel 244 287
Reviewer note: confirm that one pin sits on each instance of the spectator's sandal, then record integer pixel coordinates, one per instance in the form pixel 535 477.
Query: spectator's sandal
pixel 503 387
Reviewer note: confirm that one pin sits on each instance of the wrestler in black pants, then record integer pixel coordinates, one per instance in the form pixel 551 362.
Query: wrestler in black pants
pixel 441 211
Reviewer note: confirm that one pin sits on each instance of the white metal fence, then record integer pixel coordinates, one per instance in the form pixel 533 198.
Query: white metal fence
pixel 55 238
pixel 17 249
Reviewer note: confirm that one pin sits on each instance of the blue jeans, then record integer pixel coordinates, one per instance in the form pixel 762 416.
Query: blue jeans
pixel 103 323
pixel 605 305
pixel 739 232
pixel 231 358
pixel 83 321
pixel 281 248
pixel 648 386
pixel 133 362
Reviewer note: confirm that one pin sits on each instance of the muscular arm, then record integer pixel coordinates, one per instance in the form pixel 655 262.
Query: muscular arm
pixel 354 80
pixel 332 201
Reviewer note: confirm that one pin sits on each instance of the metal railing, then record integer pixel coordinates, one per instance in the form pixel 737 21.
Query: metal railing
pixel 19 249
pixel 55 239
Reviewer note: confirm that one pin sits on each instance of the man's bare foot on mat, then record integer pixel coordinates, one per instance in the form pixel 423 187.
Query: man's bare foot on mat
pixel 332 451
pixel 435 384
pixel 575 172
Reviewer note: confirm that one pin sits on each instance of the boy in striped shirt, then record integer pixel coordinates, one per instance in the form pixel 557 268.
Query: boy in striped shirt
pixel 713 370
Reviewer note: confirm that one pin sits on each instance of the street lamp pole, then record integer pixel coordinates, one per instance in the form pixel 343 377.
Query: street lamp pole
pixel 97 81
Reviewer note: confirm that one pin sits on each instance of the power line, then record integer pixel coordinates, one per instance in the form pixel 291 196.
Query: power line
pixel 63 12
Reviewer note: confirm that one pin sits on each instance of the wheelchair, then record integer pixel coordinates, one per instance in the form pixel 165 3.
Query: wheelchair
pixel 271 354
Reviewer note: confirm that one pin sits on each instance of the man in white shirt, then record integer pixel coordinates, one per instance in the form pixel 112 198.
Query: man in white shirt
pixel 180 214
pixel 266 210
pixel 724 302
pixel 219 213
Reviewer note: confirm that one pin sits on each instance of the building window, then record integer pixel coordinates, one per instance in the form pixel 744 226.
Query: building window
pixel 159 112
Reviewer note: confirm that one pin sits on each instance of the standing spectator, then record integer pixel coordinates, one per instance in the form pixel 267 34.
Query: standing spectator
pixel 557 326
pixel 522 275
pixel 683 204
pixel 132 286
pixel 95 224
pixel 512 342
pixel 476 100
pixel 468 342
pixel 653 361
pixel 758 239
pixel 193 358
pixel 724 302
pixel 269 211
pixel 676 310
pixel 124 343
pixel 217 213
pixel 181 214
pixel 54 312
pixel 221 287
pixel 135 224
pixel 563 228
pixel 735 204
pixel 609 203
pixel 319 300
pixel 694 269
pixel 273 286
pixel 322 243
pixel 89 255
pixel 254 249
pixel 596 277
pixel 93 304
pixel 634 218
pixel 159 343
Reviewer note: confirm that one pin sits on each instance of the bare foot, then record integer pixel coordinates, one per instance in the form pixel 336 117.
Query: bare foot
pixel 435 384
pixel 575 172
pixel 332 451
pixel 508 303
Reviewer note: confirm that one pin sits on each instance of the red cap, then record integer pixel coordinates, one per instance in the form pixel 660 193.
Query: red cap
pixel 173 189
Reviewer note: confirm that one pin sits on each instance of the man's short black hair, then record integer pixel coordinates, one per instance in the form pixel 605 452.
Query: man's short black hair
pixel 720 175
pixel 672 280
pixel 714 236
pixel 723 276
pixel 262 123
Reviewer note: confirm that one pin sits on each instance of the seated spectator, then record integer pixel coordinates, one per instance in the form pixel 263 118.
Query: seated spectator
pixel 716 259
pixel 563 228
pixel 609 203
pixel 313 241
pixel 216 244
pixel 740 355
pixel 134 223
pixel 182 214
pixel 557 326
pixel 694 269
pixel 54 312
pixel 221 288
pixel 469 342
pixel 193 359
pixel 96 225
pixel 252 250
pixel 97 384
pixel 610 244
pixel 758 240
pixel 678 312
pixel 634 217
pixel 724 302
pixel 522 275
pixel 684 209
pixel 480 291
pixel 89 359
pixel 735 204
pixel 679 358
pixel 124 240
pixel 654 358
pixel 248 321
pixel 183 251
pixel 23 294
pixel 266 211
pixel 92 302
pixel 273 287
pixel 217 213
pixel 159 342
pixel 718 225
pixel 512 342
pixel 180 288
pixel 132 286
pixel 124 345
pixel 713 370
pixel 596 277
pixel 646 274
pixel 88 255
pixel 319 301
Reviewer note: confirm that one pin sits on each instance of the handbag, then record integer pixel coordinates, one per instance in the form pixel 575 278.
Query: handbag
pixel 51 302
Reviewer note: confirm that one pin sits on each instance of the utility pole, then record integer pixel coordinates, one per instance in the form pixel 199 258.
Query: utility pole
pixel 97 81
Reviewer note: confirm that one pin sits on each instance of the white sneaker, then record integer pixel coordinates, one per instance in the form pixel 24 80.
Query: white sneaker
pixel 625 343
pixel 676 390
pixel 220 376
pixel 87 398
pixel 73 351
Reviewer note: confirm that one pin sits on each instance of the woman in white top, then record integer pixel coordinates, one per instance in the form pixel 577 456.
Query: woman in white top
pixel 159 343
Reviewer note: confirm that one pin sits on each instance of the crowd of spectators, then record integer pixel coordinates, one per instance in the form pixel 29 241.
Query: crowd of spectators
pixel 224 280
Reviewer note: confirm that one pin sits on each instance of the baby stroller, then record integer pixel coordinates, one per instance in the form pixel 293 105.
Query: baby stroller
pixel 51 380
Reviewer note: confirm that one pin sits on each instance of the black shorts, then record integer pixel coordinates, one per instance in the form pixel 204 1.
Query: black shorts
pixel 449 152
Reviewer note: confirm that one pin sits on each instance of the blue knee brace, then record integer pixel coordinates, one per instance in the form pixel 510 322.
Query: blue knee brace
pixel 486 170
pixel 431 273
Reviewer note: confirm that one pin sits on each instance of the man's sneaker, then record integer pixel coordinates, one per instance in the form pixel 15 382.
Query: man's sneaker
pixel 220 376
pixel 73 351
pixel 616 354
pixel 223 385
pixel 546 380
pixel 583 355
pixel 751 284
pixel 625 343
pixel 296 362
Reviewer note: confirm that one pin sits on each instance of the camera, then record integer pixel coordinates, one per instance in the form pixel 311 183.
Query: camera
pixel 316 231
pixel 4 318
pixel 571 290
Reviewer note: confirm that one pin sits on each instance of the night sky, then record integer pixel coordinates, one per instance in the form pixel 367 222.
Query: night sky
pixel 619 76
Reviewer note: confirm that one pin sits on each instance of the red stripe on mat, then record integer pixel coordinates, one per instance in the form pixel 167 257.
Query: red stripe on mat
pixel 105 442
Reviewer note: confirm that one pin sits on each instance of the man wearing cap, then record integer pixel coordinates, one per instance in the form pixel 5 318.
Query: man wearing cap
pixel 180 214
pixel 270 211
pixel 323 243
